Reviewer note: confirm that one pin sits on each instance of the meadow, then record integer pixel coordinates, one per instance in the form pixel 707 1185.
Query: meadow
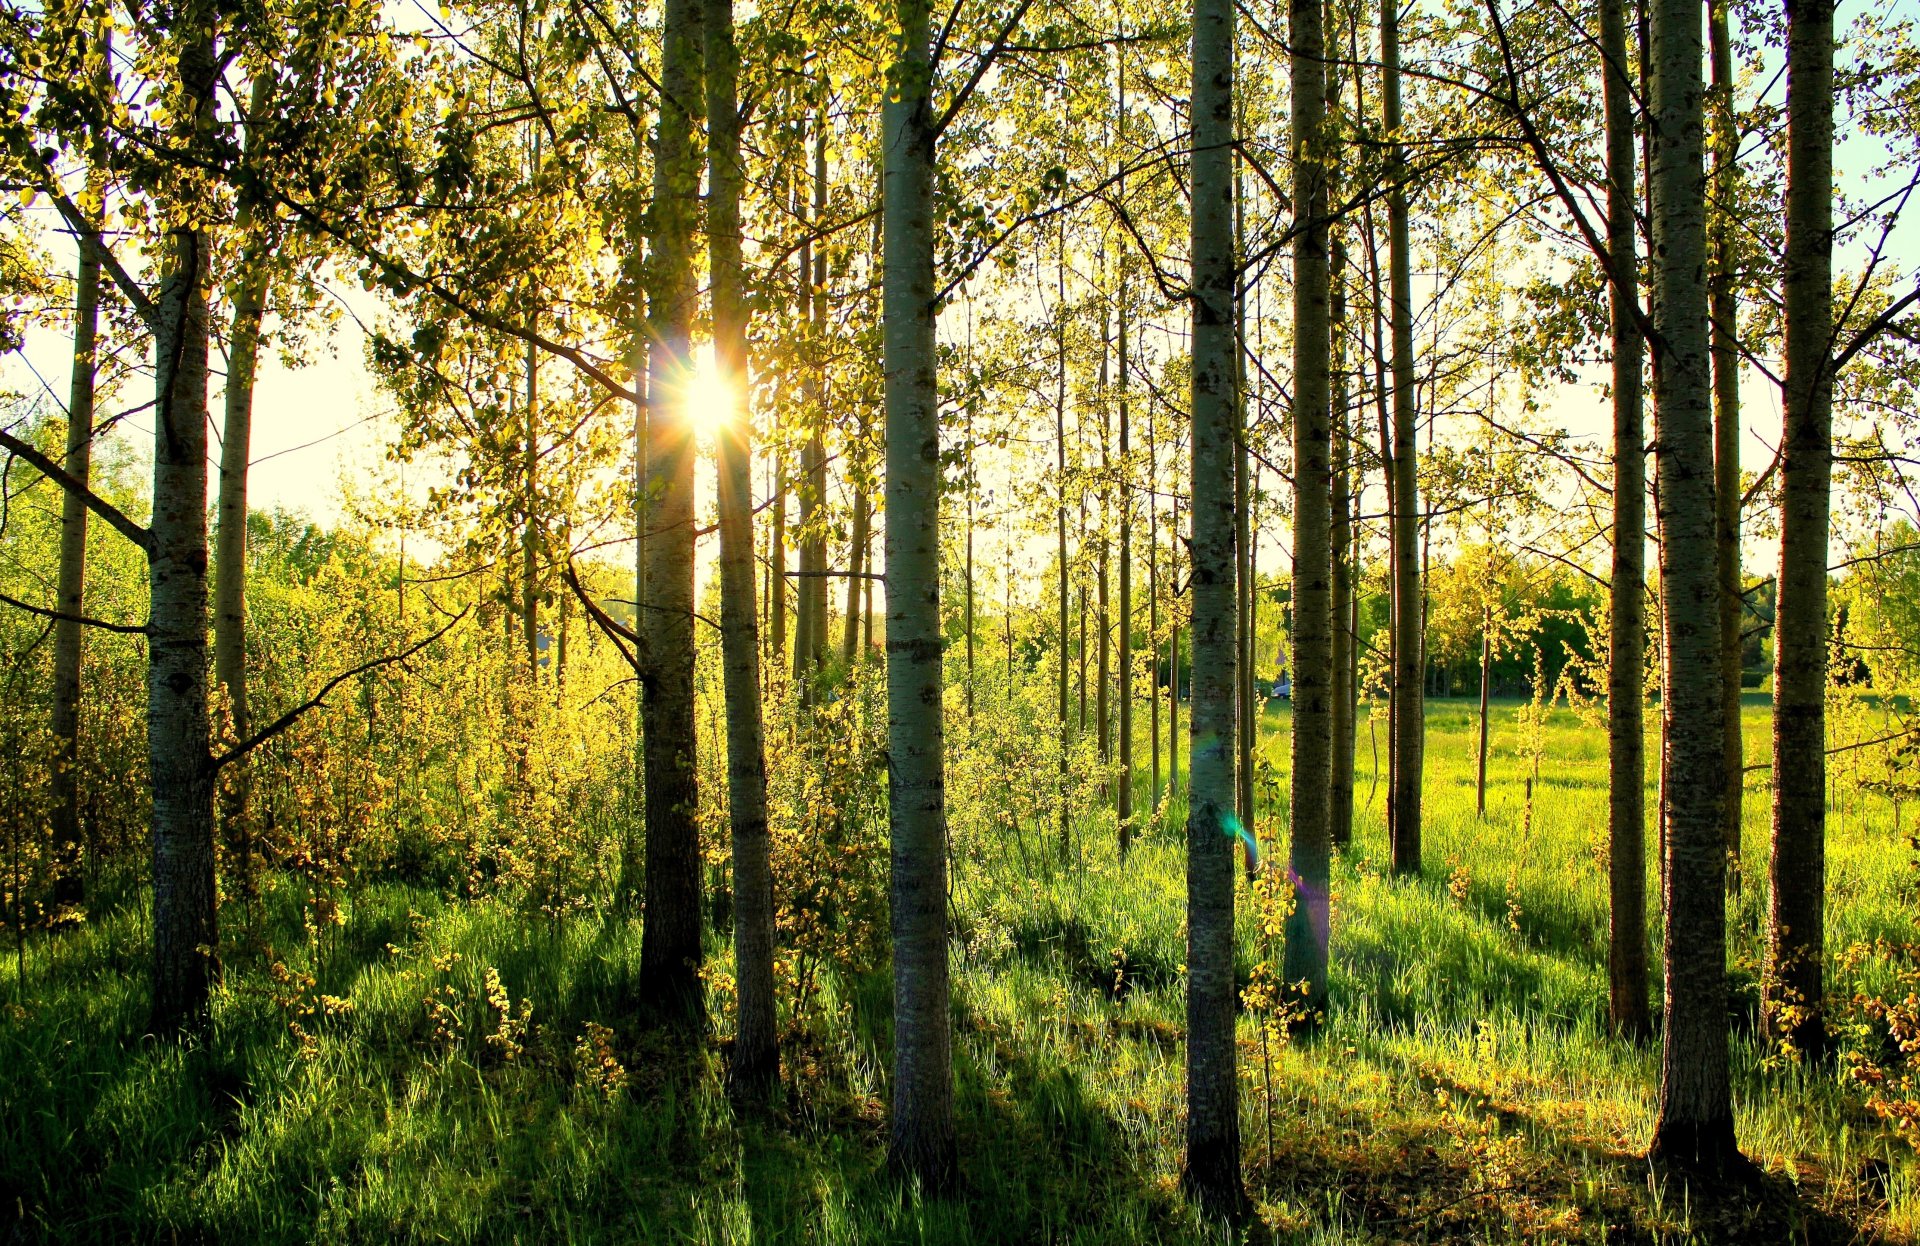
pixel 452 1071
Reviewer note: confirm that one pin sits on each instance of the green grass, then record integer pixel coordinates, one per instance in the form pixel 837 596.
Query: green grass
pixel 1463 1090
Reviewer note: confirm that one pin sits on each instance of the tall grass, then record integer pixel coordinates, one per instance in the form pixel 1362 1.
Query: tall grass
pixel 1464 1087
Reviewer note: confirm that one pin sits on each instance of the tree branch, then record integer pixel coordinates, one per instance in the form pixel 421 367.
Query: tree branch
pixel 980 68
pixel 125 629
pixel 95 503
pixel 631 644
pixel 1874 328
pixel 319 698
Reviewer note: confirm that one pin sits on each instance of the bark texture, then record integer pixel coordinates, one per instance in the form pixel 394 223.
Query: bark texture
pixel 1795 979
pixel 670 947
pixel 186 935
pixel 1725 346
pixel 1409 632
pixel 1212 1172
pixel 1313 651
pixel 755 1061
pixel 921 1142
pixel 1627 629
pixel 69 634
pixel 1694 1128
pixel 1340 787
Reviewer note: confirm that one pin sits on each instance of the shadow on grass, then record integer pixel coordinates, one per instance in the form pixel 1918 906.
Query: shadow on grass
pixel 387 1132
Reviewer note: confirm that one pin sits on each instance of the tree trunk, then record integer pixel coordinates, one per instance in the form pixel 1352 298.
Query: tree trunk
pixel 973 489
pixel 186 934
pixel 670 950
pixel 639 354
pixel 1486 680
pixel 1307 926
pixel 1695 1123
pixel 69 634
pixel 1060 523
pixel 1103 616
pixel 1341 543
pixel 1627 634
pixel 777 565
pixel 1173 705
pixel 922 1140
pixel 755 1061
pixel 813 587
pixel 1382 392
pixel 811 564
pixel 1409 683
pixel 249 295
pixel 1725 348
pixel 230 536
pixel 1153 601
pixel 857 570
pixel 1124 807
pixel 1243 716
pixel 1796 921
pixel 530 516
pixel 1212 1170
pixel 1173 654
pixel 812 451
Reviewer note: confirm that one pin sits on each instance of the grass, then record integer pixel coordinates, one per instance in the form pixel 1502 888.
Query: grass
pixel 1464 1088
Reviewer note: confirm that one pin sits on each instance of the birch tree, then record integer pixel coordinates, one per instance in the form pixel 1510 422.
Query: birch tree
pixel 1313 647
pixel 1694 1128
pixel 921 1139
pixel 1212 1171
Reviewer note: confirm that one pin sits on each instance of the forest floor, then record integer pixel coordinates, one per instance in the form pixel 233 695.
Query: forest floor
pixel 443 1074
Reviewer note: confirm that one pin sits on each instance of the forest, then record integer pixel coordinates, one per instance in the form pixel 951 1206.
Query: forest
pixel 1047 621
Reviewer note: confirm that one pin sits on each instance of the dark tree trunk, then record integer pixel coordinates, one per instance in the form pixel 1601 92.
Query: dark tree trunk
pixel 1627 635
pixel 230 540
pixel 1060 543
pixel 1795 978
pixel 69 634
pixel 1725 347
pixel 1124 807
pixel 756 1055
pixel 670 950
pixel 1340 791
pixel 777 567
pixel 1153 603
pixel 856 579
pixel 1409 674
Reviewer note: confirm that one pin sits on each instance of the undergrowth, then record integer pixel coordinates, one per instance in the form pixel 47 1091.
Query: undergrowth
pixel 447 1069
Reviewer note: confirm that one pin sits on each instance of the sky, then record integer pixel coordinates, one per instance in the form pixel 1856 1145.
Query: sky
pixel 319 423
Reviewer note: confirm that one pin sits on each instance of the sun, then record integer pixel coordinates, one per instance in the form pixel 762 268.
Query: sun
pixel 710 401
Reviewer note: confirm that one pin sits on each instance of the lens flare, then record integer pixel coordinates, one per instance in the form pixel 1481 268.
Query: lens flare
pixel 1236 830
pixel 709 400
